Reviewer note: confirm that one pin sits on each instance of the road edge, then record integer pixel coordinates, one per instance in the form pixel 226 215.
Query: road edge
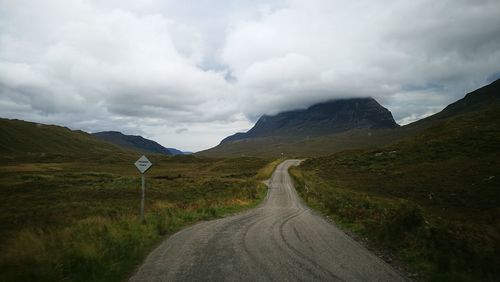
pixel 399 266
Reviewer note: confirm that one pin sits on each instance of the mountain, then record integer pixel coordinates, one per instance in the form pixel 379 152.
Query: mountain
pixel 480 99
pixel 176 152
pixel 33 140
pixel 132 142
pixel 277 135
pixel 322 119
pixel 448 174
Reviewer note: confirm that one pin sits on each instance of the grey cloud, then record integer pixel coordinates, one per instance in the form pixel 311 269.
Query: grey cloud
pixel 375 51
pixel 213 67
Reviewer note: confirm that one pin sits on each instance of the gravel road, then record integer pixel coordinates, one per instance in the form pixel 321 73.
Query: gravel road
pixel 281 240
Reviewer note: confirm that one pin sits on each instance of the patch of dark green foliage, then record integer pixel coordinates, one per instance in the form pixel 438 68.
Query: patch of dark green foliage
pixel 432 199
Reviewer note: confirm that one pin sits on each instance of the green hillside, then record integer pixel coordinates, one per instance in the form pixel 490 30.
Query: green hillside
pixel 477 100
pixel 21 139
pixel 432 199
pixel 28 141
pixel 297 147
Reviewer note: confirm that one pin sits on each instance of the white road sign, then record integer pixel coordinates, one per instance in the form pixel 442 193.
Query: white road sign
pixel 143 164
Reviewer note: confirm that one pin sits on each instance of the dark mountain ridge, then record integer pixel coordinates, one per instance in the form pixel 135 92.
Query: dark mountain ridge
pixel 176 152
pixel 482 99
pixel 476 100
pixel 133 142
pixel 322 119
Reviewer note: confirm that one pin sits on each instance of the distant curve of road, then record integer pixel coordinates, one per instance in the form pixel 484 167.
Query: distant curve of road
pixel 281 240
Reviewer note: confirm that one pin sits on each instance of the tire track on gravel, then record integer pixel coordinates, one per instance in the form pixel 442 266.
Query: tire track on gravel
pixel 281 240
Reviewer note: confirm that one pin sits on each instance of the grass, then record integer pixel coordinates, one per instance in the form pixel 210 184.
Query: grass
pixel 432 199
pixel 299 147
pixel 26 141
pixel 266 172
pixel 76 219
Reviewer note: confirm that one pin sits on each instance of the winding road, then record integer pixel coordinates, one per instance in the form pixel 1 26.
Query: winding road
pixel 281 240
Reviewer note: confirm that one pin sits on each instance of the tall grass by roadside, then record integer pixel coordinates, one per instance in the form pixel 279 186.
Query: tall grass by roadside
pixel 75 221
pixel 266 172
pixel 432 200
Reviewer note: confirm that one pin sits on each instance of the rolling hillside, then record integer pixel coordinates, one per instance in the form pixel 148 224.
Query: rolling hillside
pixel 299 147
pixel 477 100
pixel 33 140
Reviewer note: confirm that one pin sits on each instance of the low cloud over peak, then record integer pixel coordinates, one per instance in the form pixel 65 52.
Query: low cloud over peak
pixel 159 67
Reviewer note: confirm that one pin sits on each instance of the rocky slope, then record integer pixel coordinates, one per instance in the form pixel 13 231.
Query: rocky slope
pixel 322 119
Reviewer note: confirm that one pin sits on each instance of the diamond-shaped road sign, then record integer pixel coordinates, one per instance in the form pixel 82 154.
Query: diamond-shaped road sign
pixel 143 164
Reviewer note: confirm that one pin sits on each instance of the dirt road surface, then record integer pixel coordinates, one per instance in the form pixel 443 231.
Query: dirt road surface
pixel 281 240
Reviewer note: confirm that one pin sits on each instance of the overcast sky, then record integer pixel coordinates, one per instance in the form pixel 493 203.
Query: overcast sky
pixel 189 73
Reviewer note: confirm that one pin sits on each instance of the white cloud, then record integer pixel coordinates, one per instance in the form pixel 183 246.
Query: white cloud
pixel 364 48
pixel 111 65
pixel 157 67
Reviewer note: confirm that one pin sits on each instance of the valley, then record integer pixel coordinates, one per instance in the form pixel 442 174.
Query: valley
pixel 268 140
pixel 424 195
pixel 281 239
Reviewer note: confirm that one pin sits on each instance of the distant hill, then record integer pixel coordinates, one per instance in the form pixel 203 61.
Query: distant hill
pixel 259 141
pixel 22 138
pixel 322 119
pixel 176 152
pixel 132 142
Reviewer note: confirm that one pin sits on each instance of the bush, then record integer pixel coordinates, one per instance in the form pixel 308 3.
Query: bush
pixel 402 220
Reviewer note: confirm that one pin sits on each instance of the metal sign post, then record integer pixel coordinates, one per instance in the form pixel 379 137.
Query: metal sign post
pixel 143 164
